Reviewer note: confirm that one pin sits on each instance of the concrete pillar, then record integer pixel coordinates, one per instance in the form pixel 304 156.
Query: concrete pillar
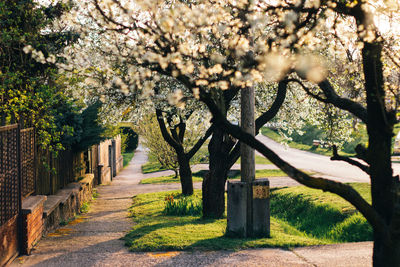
pixel 237 206
pixel 261 208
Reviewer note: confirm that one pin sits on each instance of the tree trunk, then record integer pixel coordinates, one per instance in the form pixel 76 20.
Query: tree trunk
pixel 380 132
pixel 185 173
pixel 214 182
pixel 386 255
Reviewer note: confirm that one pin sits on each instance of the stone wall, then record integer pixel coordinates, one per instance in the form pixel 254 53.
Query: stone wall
pixel 120 159
pixel 104 160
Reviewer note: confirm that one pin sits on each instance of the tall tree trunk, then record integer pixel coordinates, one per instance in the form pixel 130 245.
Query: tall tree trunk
pixel 214 182
pixel 380 132
pixel 185 173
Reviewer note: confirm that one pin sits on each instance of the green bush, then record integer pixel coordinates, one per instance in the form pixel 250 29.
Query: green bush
pixel 130 138
pixel 310 133
pixel 178 205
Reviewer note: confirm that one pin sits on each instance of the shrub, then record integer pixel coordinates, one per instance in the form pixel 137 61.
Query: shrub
pixel 182 205
pixel 130 138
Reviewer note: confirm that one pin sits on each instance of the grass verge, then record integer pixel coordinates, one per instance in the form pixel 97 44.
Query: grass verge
pixel 167 180
pixel 299 217
pixel 198 176
pixel 127 156
pixel 259 160
pixel 201 157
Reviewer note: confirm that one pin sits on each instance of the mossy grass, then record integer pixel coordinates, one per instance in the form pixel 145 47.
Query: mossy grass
pixel 198 176
pixel 328 219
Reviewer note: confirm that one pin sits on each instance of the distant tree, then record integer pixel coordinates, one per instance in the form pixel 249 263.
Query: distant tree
pixel 151 137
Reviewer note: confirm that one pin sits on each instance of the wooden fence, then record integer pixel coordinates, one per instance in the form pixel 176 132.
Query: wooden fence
pixel 56 170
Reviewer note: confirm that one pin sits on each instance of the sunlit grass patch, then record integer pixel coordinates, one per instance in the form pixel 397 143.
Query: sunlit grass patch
pixel 259 160
pixel 168 179
pixel 155 231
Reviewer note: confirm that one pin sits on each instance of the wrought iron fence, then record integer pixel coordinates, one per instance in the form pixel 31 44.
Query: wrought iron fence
pixel 9 173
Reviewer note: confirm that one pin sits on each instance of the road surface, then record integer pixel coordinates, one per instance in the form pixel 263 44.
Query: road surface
pixel 337 170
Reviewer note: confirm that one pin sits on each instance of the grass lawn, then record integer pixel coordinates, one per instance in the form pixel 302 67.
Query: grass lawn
pixel 168 180
pixel 299 217
pixel 259 160
pixel 198 176
pixel 154 166
pixel 127 155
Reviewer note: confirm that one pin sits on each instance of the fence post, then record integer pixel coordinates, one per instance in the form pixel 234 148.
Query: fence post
pixel 19 216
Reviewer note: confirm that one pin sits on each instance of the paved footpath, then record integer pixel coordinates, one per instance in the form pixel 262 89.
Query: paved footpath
pixel 94 239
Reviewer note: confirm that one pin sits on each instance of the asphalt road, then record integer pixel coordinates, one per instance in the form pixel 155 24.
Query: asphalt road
pixel 337 170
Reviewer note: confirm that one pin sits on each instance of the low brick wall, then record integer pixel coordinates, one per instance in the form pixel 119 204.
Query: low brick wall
pixel 8 241
pixel 32 222
pixel 43 214
pixel 86 190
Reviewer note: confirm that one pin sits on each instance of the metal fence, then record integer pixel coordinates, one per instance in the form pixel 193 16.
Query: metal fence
pixel 9 173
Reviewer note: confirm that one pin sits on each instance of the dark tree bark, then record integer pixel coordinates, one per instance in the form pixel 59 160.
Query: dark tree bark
pixel 185 173
pixel 175 139
pixel 380 132
pixel 213 187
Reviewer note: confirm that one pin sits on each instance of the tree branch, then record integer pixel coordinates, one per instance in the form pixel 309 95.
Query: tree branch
pixel 200 142
pixel 167 137
pixel 274 109
pixel 331 97
pixel 353 162
pixel 343 103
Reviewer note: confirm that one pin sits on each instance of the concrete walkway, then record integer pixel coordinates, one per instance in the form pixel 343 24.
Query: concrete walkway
pixel 94 239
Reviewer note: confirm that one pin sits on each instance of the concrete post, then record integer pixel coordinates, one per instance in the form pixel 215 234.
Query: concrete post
pixel 237 206
pixel 261 208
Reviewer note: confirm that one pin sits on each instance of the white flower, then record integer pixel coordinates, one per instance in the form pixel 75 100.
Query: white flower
pixel 27 49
